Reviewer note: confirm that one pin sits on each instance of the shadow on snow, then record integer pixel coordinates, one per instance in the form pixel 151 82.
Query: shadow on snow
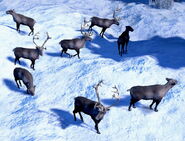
pixel 54 54
pixel 104 47
pixel 13 87
pixel 66 119
pixel 21 32
pixel 168 52
pixel 133 1
pixel 124 101
pixel 11 59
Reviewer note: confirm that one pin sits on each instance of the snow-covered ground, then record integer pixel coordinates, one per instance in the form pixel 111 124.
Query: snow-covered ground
pixel 156 51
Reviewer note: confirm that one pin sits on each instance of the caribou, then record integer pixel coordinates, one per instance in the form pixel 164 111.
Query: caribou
pixel 104 23
pixel 31 54
pixel 151 92
pixel 123 40
pixel 93 108
pixel 21 19
pixel 76 43
pixel 27 79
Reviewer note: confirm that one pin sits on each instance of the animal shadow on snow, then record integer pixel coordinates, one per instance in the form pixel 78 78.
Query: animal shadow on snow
pixel 124 102
pixel 21 32
pixel 57 54
pixel 13 87
pixel 146 109
pixel 104 47
pixel 168 52
pixel 23 63
pixel 133 1
pixel 53 54
pixel 66 119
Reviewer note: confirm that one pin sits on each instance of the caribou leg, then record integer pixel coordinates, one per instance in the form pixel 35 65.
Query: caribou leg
pixel 17 83
pixel 32 30
pixel 102 32
pixel 18 27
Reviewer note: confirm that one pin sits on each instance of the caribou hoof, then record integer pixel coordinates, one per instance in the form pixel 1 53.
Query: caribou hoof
pixel 156 110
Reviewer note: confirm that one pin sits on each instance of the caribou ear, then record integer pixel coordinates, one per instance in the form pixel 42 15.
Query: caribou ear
pixel 107 108
pixel 167 79
pixel 34 86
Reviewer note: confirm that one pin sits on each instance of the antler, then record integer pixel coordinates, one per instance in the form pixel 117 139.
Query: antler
pixel 85 25
pixel 46 40
pixel 96 89
pixel 114 96
pixel 115 92
pixel 35 37
pixel 99 106
pixel 114 14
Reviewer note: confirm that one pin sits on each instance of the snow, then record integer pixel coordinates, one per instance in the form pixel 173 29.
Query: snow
pixel 156 51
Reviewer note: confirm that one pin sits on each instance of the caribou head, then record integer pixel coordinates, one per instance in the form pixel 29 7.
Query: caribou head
pixel 40 48
pixel 101 110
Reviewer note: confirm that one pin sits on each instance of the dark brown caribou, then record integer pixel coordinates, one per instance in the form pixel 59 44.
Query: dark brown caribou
pixel 21 19
pixel 92 108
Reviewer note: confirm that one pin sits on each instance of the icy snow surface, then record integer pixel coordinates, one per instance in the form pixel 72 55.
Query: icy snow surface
pixel 156 51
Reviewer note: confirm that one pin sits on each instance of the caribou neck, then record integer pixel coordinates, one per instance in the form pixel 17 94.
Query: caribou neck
pixel 14 15
pixel 168 86
pixel 40 50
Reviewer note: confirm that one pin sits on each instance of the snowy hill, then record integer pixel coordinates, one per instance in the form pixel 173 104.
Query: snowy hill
pixel 156 51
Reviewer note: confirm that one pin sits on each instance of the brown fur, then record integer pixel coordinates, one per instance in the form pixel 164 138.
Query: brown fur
pixel 73 44
pixel 123 40
pixel 103 23
pixel 92 108
pixel 27 79
pixel 21 19
pixel 31 54
pixel 152 92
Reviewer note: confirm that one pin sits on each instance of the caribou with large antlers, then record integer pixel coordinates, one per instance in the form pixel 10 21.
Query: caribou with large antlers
pixel 31 54
pixel 104 23
pixel 92 108
pixel 75 44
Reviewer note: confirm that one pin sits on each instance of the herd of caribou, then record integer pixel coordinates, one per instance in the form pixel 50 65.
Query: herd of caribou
pixel 81 104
